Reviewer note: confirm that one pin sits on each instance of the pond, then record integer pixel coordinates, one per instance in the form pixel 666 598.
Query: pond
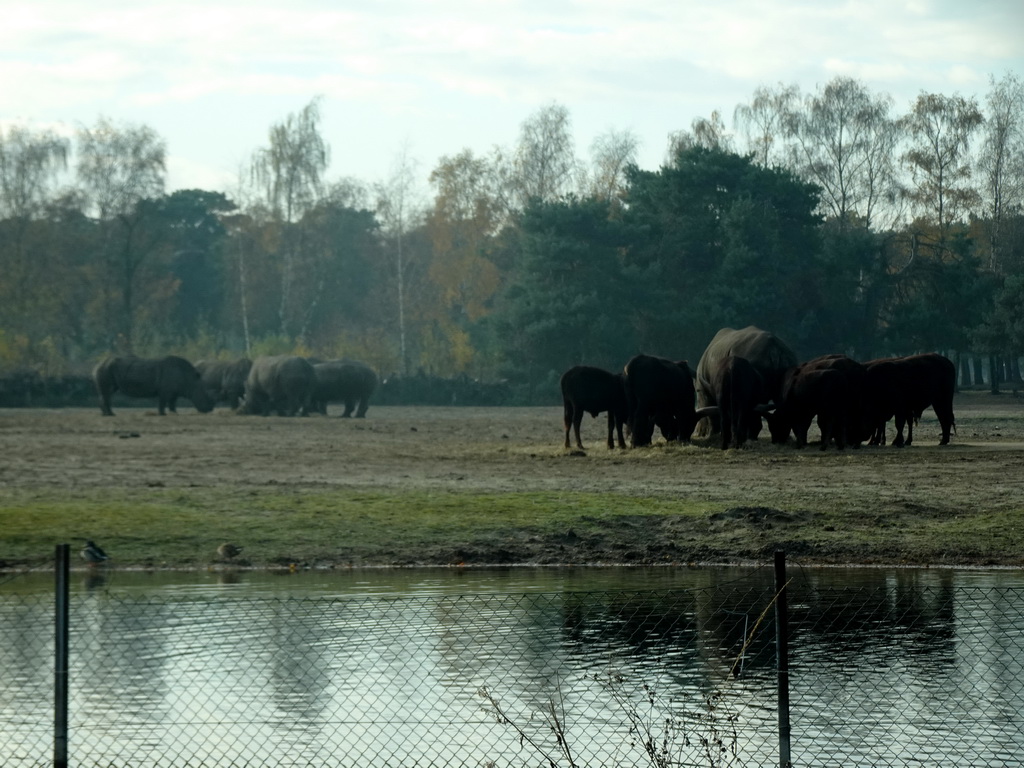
pixel 470 667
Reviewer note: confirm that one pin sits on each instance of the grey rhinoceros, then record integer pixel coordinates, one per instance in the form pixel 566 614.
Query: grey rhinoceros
pixel 770 356
pixel 165 378
pixel 281 384
pixel 347 381
pixel 225 379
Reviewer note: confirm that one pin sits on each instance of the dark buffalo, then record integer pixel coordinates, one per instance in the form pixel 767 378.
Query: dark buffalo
pixel 768 354
pixel 586 389
pixel 934 385
pixel 347 381
pixel 856 418
pixel 225 379
pixel 281 384
pixel 822 392
pixel 901 388
pixel 738 389
pixel 165 378
pixel 659 392
pixel 885 392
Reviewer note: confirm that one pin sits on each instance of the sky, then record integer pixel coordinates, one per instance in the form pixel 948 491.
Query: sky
pixel 426 79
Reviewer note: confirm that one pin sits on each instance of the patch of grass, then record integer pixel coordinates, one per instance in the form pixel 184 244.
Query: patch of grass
pixel 915 536
pixel 182 528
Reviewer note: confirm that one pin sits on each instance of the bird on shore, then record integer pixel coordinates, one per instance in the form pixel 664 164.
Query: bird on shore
pixel 93 553
pixel 228 551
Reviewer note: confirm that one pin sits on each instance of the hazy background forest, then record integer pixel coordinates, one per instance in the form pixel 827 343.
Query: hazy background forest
pixel 830 218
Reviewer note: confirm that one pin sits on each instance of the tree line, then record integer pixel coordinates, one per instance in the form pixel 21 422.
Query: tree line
pixel 826 217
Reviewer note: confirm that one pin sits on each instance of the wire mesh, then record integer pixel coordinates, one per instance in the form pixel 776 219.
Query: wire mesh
pixel 908 674
pixel 902 674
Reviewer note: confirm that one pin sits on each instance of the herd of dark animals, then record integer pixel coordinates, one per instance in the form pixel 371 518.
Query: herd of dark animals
pixel 748 374
pixel 287 385
pixel 742 377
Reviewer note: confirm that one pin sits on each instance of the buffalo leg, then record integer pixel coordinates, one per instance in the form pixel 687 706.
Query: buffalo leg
pixel 832 428
pixel 898 441
pixel 577 420
pixel 567 418
pixel 643 427
pixel 742 428
pixel 800 429
pixel 878 436
pixel 573 419
pixel 947 422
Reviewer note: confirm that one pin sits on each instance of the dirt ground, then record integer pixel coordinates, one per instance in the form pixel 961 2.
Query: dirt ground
pixel 499 450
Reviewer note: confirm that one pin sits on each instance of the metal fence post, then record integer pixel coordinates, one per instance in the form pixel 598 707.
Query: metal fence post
pixel 782 657
pixel 60 672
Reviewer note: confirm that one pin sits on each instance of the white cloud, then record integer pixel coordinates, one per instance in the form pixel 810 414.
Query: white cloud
pixel 450 74
pixel 183 173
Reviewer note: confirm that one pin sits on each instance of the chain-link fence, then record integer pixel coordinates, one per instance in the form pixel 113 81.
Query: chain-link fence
pixel 900 674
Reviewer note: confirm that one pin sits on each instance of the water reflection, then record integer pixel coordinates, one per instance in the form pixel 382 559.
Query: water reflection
pixel 94 579
pixel 385 668
pixel 230 577
pixel 26 677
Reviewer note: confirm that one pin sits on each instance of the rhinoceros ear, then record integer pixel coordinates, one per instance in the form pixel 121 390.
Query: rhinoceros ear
pixel 708 410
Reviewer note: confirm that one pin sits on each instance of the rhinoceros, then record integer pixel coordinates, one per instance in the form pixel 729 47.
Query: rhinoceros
pixel 281 384
pixel 225 379
pixel 766 352
pixel 165 378
pixel 347 381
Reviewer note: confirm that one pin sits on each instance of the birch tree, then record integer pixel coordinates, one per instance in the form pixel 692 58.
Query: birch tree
pixel 940 129
pixel 289 172
pixel 764 122
pixel 611 153
pixel 119 167
pixel 705 132
pixel 843 140
pixel 31 164
pixel 544 163
pixel 399 211
pixel 1002 163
